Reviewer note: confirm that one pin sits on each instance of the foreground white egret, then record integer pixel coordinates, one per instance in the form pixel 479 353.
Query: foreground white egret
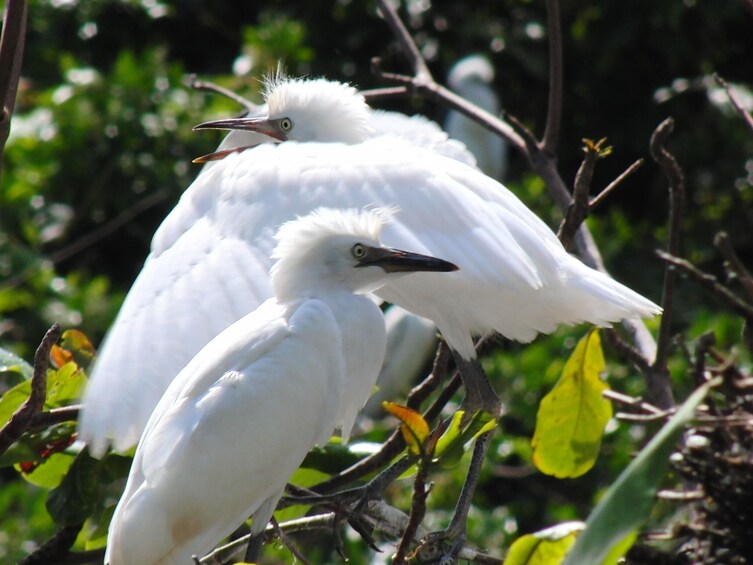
pixel 239 419
pixel 207 267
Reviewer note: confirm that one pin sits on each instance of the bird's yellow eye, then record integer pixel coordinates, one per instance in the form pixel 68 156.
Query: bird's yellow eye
pixel 358 251
pixel 286 124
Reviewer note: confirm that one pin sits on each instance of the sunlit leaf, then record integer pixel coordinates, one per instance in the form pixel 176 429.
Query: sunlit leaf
pixel 547 547
pixel 12 363
pixel 303 478
pixel 627 504
pixel 74 500
pixel 456 440
pixel 12 399
pixel 65 385
pixel 414 428
pixel 49 472
pixel 571 418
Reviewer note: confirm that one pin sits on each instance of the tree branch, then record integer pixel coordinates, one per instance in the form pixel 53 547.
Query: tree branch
pixel 676 180
pixel 12 43
pixel 23 416
pixel 711 283
pixel 732 262
pixel 554 105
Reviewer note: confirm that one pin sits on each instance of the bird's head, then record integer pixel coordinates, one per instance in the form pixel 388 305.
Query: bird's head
pixel 340 249
pixel 305 110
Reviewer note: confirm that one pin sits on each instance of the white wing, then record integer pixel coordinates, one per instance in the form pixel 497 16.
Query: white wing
pixel 205 270
pixel 234 425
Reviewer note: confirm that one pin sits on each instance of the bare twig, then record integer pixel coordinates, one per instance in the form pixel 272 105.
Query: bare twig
pixel 409 47
pixel 12 43
pixel 206 86
pixel 375 94
pixel 596 200
pixel 733 263
pixel 417 513
pixel 25 413
pixel 56 549
pixel 554 105
pixel 747 118
pixel 42 420
pixel 710 282
pixel 579 206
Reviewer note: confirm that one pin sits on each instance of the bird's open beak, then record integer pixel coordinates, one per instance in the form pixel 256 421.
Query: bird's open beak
pixel 395 261
pixel 259 125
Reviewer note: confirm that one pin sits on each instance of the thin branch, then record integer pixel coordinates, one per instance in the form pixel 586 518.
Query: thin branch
pixel 376 94
pixel 42 420
pixel 192 81
pixel 599 198
pixel 56 549
pixel 408 46
pixel 659 384
pixel 25 413
pixel 579 206
pixel 12 43
pixel 554 105
pixel 417 513
pixel 711 283
pixel 747 118
pixel 733 263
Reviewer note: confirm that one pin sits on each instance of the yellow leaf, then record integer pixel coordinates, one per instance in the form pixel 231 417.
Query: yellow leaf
pixel 572 417
pixel 414 428
pixel 60 356
pixel 547 547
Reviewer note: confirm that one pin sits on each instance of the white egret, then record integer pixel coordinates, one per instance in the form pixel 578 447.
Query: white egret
pixel 471 78
pixel 209 257
pixel 239 419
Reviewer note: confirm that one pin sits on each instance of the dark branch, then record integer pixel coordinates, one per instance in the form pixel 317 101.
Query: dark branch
pixel 408 46
pixel 23 416
pixel 711 283
pixel 676 180
pixel 599 198
pixel 732 262
pixel 554 105
pixel 12 43
pixel 56 549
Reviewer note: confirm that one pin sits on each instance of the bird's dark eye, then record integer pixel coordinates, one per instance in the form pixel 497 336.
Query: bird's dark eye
pixel 358 251
pixel 286 124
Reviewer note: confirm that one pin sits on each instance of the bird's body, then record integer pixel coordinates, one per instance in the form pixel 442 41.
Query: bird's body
pixel 239 419
pixel 207 267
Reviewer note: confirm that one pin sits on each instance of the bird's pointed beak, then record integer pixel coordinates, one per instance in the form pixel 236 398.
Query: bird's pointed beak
pixel 397 261
pixel 261 125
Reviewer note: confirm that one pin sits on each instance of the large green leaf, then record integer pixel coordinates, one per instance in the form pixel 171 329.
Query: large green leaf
pixel 626 505
pixel 572 417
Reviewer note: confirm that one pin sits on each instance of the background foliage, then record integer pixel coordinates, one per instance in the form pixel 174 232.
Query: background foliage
pixel 101 146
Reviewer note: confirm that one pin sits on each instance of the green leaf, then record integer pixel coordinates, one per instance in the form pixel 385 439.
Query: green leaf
pixel 75 499
pixel 12 399
pixel 547 547
pixel 572 417
pixel 455 441
pixel 12 363
pixel 627 504
pixel 65 385
pixel 51 471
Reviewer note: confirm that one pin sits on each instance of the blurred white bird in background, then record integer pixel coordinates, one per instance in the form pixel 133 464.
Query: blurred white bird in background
pixel 207 267
pixel 471 78
pixel 239 419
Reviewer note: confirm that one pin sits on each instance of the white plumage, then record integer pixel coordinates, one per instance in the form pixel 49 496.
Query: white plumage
pixel 207 267
pixel 239 419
